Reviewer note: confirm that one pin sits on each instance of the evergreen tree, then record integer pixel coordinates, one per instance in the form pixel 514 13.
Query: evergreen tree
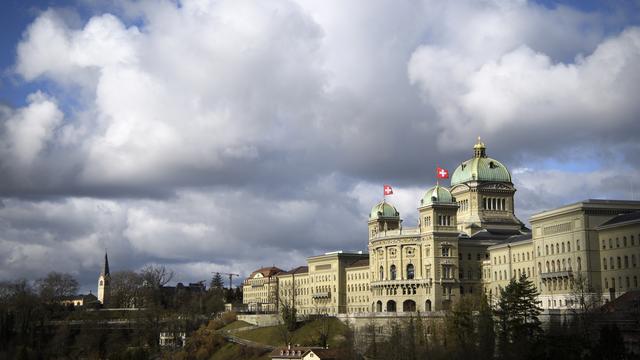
pixel 486 330
pixel 518 323
pixel 217 282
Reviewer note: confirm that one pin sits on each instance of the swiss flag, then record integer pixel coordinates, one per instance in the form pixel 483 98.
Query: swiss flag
pixel 443 173
pixel 388 190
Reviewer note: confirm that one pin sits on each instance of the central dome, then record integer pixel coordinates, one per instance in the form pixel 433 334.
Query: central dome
pixel 480 168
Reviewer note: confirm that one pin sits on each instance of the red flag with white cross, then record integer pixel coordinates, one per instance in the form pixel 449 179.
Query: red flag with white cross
pixel 443 173
pixel 388 190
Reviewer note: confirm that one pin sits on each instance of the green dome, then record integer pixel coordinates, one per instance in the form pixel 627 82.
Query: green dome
pixel 480 168
pixel 383 210
pixel 436 194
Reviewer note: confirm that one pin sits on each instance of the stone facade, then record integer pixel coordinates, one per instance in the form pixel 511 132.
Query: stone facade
pixel 468 240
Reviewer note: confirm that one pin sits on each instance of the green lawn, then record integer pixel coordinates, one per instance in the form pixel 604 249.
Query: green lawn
pixel 236 325
pixel 306 335
pixel 237 352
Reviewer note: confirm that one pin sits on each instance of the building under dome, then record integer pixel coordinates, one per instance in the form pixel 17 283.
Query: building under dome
pixel 468 241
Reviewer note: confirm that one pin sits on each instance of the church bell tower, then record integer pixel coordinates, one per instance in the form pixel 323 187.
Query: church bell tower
pixel 104 283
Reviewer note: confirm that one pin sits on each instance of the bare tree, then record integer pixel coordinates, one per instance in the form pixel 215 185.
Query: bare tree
pixel 126 289
pixel 156 276
pixel 56 286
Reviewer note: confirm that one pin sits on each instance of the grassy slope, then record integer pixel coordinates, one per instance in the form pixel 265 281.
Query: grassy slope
pixel 236 325
pixel 307 335
pixel 236 352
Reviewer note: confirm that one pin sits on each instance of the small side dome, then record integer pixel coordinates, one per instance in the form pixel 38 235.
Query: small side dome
pixel 383 210
pixel 436 194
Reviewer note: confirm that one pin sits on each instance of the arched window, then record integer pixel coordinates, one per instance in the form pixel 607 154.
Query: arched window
pixel 391 306
pixel 392 272
pixel 427 305
pixel 381 273
pixel 563 247
pixel 379 306
pixel 548 267
pixel 579 264
pixel 604 263
pixel 409 306
pixel 410 271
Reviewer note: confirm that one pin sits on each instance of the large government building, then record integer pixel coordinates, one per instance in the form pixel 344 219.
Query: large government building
pixel 467 241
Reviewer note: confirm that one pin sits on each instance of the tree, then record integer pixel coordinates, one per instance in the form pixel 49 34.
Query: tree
pixel 486 330
pixel 584 300
pixel 217 282
pixel 55 286
pixel 518 323
pixel 461 328
pixel 126 289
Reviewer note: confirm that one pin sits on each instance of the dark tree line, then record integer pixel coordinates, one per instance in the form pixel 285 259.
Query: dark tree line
pixel 35 325
pixel 510 330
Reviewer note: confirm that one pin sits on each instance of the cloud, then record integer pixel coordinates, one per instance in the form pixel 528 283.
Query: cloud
pixel 232 134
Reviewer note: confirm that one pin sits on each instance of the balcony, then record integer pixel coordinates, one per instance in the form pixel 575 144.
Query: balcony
pixel 322 295
pixel 556 275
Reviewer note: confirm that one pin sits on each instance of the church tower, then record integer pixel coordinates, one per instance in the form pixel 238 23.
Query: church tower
pixel 104 283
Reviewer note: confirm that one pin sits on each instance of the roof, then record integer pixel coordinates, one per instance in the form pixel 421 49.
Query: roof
pixel 359 263
pixel 300 352
pixel 629 301
pixel 383 210
pixel 436 194
pixel 622 219
pixel 480 168
pixel 84 297
pixel 620 206
pixel 266 271
pixel 297 270
pixel 105 268
pixel 485 234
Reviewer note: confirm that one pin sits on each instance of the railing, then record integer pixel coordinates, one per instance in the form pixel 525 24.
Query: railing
pixel 320 295
pixel 556 274
pixel 402 282
pixel 405 231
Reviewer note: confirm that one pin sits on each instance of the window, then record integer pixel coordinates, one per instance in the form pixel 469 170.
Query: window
pixel 538 250
pixel 579 264
pixel 445 251
pixel 459 256
pixel 568 246
pixel 626 262
pixel 578 245
pixel 624 241
pixel 392 272
pixel 469 256
pixel 557 249
pixel 603 245
pixel 604 263
pixel 633 260
pixel 617 242
pixel 381 273
pixel 619 263
pixel 546 250
pixel 410 271
pixel 610 244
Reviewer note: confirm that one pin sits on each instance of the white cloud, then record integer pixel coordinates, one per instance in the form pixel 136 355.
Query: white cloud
pixel 29 129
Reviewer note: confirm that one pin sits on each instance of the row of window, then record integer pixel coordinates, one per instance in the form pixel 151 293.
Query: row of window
pixel 411 272
pixel 494 203
pixel 559 248
pixel 358 287
pixel 624 242
pixel 620 285
pixel 463 205
pixel 358 276
pixel 619 262
pixel 469 256
pixel 553 266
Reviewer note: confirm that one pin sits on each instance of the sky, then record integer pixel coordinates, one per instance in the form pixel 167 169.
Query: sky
pixel 228 135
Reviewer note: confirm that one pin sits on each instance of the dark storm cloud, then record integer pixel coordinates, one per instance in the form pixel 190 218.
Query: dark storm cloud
pixel 233 134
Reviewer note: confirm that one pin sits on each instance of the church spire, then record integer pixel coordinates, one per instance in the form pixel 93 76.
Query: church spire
pixel 105 269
